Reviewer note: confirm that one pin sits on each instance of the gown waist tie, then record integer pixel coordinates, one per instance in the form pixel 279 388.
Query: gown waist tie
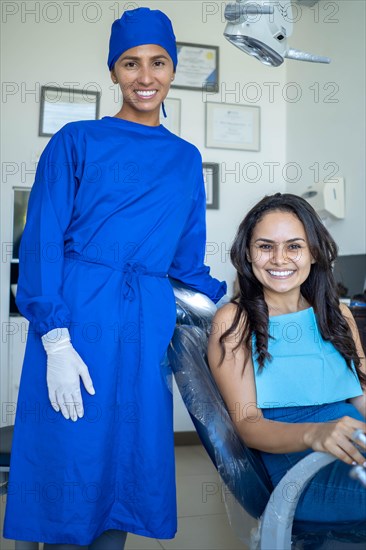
pixel 131 272
pixel 131 269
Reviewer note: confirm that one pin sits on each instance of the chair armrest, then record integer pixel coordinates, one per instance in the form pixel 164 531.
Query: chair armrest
pixel 277 519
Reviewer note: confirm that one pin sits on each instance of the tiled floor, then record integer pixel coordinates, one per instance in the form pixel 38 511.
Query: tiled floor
pixel 202 522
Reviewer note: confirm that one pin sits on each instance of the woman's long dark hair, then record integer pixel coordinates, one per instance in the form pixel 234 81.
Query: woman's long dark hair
pixel 319 289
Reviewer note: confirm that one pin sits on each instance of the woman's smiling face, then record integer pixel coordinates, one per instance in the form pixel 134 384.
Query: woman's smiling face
pixel 144 74
pixel 279 252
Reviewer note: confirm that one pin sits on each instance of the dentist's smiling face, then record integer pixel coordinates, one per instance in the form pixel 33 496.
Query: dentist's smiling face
pixel 279 253
pixel 144 74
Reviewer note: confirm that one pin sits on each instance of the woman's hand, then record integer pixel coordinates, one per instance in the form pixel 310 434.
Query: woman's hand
pixel 64 370
pixel 336 438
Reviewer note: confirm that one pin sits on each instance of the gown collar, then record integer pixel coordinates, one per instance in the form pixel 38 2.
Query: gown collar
pixel 127 124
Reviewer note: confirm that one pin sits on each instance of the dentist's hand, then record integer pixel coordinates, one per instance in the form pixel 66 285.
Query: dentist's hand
pixel 64 370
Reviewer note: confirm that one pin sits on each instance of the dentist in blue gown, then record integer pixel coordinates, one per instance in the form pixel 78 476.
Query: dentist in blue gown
pixel 117 206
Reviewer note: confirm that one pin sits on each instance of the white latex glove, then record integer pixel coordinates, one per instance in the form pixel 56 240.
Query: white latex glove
pixel 64 370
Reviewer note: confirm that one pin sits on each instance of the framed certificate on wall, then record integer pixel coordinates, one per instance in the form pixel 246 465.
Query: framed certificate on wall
pixel 198 67
pixel 211 179
pixel 232 126
pixel 62 105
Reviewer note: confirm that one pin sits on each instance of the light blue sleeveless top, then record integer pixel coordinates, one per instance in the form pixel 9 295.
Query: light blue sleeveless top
pixel 305 369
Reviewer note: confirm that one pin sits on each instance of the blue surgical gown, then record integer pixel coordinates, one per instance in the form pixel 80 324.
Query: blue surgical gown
pixel 116 207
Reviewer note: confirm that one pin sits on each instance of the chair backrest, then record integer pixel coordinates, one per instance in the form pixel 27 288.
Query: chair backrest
pixel 240 468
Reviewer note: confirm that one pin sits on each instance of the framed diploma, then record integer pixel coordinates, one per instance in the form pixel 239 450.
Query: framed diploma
pixel 172 121
pixel 211 179
pixel 232 126
pixel 198 67
pixel 62 105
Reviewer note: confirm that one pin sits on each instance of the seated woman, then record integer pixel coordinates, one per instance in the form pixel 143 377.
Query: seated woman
pixel 287 357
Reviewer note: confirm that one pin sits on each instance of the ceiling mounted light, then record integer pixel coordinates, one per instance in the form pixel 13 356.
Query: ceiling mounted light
pixel 261 29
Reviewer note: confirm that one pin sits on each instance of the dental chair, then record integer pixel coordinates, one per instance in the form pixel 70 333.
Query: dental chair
pixel 240 468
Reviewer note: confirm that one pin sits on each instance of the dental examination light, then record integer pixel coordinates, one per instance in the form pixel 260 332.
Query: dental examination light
pixel 261 29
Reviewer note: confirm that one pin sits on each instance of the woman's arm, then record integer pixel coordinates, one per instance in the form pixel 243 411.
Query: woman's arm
pixel 188 264
pixel 41 255
pixel 238 391
pixel 360 401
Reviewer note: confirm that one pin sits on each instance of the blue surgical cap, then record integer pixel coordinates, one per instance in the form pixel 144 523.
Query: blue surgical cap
pixel 138 27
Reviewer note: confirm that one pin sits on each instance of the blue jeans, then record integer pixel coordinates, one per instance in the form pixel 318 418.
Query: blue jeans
pixel 332 495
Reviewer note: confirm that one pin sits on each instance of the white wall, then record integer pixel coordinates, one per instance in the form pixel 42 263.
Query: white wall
pixel 326 127
pixel 74 48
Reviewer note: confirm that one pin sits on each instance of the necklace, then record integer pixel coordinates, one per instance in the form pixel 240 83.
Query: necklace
pixel 301 305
